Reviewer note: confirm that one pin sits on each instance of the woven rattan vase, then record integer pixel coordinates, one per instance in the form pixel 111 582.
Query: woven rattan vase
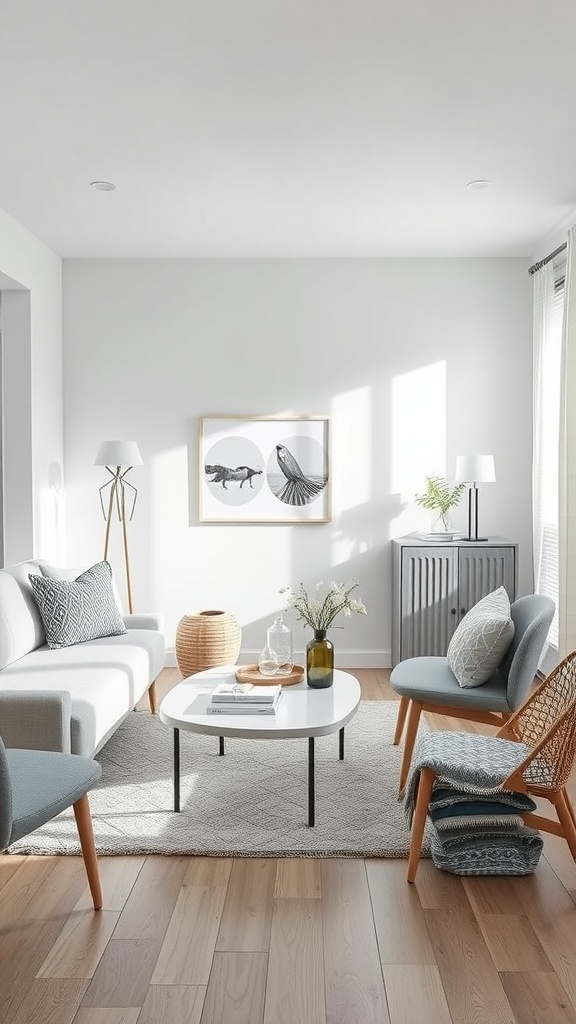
pixel 205 639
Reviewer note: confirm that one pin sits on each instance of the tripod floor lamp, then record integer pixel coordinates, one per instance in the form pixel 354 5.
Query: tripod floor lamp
pixel 474 470
pixel 119 457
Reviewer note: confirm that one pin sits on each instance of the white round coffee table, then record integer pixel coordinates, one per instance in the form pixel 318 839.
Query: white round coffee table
pixel 302 712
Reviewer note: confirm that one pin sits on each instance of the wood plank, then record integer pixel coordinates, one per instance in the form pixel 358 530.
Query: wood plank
pixel 538 997
pixel 353 973
pixel 557 853
pixel 438 889
pixel 471 983
pixel 247 916
pixel 51 1001
pixel 172 1004
pixel 236 989
pixel 551 913
pixel 61 890
pixel 23 948
pixel 489 895
pixel 107 1015
pixel 415 993
pixel 118 875
pixel 513 943
pixel 80 945
pixel 24 888
pixel 186 954
pixel 124 972
pixel 295 989
pixel 298 878
pixel 207 870
pixel 398 915
pixel 9 864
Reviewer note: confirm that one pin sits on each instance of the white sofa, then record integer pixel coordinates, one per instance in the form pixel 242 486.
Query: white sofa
pixel 71 699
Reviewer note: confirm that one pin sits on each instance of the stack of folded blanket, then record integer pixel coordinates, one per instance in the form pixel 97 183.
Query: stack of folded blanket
pixel 476 825
pixel 482 835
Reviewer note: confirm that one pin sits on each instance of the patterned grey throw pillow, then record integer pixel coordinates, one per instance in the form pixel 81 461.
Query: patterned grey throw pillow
pixel 79 610
pixel 481 639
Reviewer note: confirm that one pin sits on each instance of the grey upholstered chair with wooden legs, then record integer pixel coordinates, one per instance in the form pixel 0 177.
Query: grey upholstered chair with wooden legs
pixel 428 684
pixel 35 786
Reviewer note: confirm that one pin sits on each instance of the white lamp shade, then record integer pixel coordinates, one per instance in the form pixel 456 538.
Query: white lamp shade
pixel 475 469
pixel 118 453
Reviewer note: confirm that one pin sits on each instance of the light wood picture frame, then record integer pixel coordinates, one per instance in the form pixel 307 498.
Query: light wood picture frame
pixel 264 469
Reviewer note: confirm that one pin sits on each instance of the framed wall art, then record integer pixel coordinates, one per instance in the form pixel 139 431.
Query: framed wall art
pixel 264 469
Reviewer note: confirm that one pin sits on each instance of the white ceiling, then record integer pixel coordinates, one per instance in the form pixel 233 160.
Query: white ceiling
pixel 288 127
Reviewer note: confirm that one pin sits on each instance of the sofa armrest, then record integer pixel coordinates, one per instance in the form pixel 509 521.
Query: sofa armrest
pixel 147 620
pixel 36 720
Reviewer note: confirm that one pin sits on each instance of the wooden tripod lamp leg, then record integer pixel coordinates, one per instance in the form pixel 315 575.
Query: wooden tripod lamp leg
pixel 126 556
pixel 109 519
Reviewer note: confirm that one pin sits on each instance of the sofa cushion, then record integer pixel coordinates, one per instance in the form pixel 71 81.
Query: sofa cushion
pixel 481 639
pixel 80 610
pixel 105 679
pixel 21 628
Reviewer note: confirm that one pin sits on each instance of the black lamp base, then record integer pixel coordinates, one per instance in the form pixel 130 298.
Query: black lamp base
pixel 475 540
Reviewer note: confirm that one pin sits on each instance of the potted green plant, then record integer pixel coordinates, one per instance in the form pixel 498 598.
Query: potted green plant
pixel 440 497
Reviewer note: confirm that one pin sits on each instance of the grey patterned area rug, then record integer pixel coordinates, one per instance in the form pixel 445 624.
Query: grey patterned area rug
pixel 251 802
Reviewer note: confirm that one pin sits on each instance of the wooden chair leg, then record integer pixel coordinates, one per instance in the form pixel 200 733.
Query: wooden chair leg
pixel 565 816
pixel 402 711
pixel 152 697
pixel 409 741
pixel 86 834
pixel 425 783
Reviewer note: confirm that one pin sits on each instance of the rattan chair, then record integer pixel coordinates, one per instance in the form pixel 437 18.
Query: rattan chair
pixel 546 726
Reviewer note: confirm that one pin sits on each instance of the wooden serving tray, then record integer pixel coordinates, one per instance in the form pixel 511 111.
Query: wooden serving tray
pixel 252 674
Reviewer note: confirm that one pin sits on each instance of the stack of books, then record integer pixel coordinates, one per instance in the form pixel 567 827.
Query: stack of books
pixel 244 699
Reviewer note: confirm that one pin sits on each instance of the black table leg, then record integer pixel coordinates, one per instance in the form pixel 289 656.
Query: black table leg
pixel 176 769
pixel 220 746
pixel 311 817
pixel 341 744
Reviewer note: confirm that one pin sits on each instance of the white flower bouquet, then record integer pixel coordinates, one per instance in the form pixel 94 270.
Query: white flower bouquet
pixel 329 599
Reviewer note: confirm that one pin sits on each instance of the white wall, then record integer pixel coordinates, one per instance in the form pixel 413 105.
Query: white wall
pixel 31 281
pixel 415 361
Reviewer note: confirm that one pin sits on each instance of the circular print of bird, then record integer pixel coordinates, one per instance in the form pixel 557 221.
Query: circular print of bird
pixel 234 470
pixel 297 470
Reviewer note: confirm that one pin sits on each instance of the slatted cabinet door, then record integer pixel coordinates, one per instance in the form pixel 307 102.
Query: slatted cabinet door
pixel 429 600
pixel 434 585
pixel 481 570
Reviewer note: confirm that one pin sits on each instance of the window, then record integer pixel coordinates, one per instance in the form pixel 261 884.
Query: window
pixel 547 370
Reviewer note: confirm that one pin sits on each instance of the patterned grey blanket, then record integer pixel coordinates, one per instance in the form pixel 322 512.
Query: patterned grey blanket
pixel 476 825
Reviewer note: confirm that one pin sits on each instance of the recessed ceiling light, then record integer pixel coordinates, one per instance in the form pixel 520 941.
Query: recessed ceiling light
pixel 103 186
pixel 478 185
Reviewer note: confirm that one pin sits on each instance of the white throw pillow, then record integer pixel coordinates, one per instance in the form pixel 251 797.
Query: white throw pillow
pixel 481 639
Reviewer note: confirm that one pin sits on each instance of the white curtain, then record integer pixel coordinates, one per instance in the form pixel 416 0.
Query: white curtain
pixel 547 344
pixel 567 465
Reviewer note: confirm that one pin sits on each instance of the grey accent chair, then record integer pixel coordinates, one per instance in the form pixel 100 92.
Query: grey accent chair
pixel 428 684
pixel 35 786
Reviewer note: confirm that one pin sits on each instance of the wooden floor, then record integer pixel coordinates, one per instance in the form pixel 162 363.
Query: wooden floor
pixel 262 941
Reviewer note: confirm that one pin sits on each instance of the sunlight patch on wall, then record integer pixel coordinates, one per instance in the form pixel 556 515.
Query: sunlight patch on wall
pixel 418 440
pixel 350 422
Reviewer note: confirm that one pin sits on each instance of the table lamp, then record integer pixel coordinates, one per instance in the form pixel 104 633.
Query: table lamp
pixel 474 470
pixel 119 457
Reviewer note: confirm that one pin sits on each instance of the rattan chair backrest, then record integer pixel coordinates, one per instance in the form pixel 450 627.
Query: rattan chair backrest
pixel 547 724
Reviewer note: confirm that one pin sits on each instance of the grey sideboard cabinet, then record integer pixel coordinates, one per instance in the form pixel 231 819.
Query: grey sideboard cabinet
pixel 434 584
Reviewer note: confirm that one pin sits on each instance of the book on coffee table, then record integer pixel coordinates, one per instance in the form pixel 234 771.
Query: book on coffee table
pixel 245 693
pixel 235 707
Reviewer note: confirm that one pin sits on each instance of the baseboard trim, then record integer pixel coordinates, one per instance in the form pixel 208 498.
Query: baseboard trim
pixel 345 658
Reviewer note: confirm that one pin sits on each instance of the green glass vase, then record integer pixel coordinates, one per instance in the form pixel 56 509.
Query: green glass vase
pixel 319 661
